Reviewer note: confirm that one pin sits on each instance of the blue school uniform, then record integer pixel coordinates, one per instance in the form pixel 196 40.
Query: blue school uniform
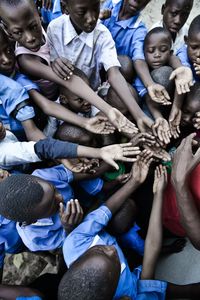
pixel 29 298
pixel 183 56
pixel 10 241
pixel 128 34
pixel 48 233
pixel 13 91
pixel 90 233
pixel 50 14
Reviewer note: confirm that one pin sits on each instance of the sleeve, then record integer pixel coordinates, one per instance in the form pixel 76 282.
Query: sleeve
pixel 140 88
pixel 53 52
pixel 25 113
pixel 51 149
pixel 11 94
pixel 26 82
pixel 107 54
pixel 138 42
pixel 182 55
pixel 92 186
pixel 17 153
pixel 108 4
pixel 81 238
pixel 58 175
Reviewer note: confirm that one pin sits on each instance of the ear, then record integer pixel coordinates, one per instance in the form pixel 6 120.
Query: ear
pixel 5 28
pixel 64 7
pixel 163 8
pixel 186 39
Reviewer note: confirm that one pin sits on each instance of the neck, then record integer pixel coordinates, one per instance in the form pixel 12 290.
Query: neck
pixel 78 30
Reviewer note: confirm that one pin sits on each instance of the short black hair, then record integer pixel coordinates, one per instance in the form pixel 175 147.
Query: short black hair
pixel 157 30
pixel 19 195
pixel 83 284
pixel 194 26
pixel 15 3
pixel 169 2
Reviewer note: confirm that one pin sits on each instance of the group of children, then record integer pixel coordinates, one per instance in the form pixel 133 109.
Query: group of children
pixel 94 107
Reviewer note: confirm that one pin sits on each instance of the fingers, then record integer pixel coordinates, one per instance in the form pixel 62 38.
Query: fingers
pixel 63 68
pixel 73 213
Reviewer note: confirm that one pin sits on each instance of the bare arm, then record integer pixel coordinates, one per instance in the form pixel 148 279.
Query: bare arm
pixel 32 132
pixel 153 242
pixel 9 292
pixel 183 164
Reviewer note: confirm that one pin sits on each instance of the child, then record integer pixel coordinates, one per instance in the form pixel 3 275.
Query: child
pixel 96 50
pixel 95 260
pixel 175 15
pixel 190 54
pixel 22 21
pixel 7 67
pixel 44 189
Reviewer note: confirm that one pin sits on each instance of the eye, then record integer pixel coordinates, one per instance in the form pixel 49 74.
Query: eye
pixel 193 47
pixel 174 14
pixel 150 50
pixel 17 33
pixel 164 49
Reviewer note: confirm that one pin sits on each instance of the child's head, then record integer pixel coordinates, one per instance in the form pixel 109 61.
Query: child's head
pixel 22 22
pixel 157 47
pixel 83 14
pixel 7 55
pixel 175 14
pixel 75 134
pixel 135 6
pixel 127 69
pixel 191 105
pixel 29 198
pixel 193 40
pixel 72 101
pixel 94 275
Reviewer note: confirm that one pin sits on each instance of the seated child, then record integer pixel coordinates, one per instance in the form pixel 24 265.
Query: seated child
pixel 34 57
pixel 95 259
pixel 175 14
pixel 190 53
pixel 44 189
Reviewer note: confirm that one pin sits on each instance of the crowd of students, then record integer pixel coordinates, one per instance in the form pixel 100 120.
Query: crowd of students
pixel 95 107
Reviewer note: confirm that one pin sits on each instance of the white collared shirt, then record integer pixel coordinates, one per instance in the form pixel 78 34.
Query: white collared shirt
pixel 87 51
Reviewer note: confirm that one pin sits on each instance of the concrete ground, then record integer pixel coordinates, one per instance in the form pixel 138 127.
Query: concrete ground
pixel 180 268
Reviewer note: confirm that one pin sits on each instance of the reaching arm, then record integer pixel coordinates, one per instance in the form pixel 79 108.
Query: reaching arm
pixel 153 242
pixel 9 292
pixel 32 132
pixel 184 162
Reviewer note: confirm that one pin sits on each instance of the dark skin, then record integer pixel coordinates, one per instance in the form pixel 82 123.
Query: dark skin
pixel 193 50
pixel 9 292
pixel 175 15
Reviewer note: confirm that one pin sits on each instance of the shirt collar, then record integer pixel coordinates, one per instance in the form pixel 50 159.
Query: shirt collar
pixel 130 23
pixel 70 33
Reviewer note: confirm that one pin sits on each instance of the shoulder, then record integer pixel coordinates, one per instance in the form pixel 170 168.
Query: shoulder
pixel 56 23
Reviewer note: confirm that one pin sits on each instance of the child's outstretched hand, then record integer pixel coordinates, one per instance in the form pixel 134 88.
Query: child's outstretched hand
pixel 72 216
pixel 183 79
pixel 4 174
pixel 140 168
pixel 63 68
pixel 161 129
pixel 124 178
pixel 123 152
pixel 47 4
pixel 159 94
pixel 159 153
pixel 143 138
pixel 77 165
pixel 160 179
pixel 174 122
pixel 2 131
pixel 105 14
pixel 99 125
pixel 196 120
pixel 121 122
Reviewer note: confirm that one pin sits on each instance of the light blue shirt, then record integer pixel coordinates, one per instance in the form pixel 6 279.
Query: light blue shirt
pixel 10 241
pixel 128 34
pixel 91 233
pixel 48 233
pixel 183 56
pixel 50 14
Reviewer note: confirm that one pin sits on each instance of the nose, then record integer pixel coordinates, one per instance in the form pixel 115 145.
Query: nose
pixel 90 18
pixel 156 53
pixel 177 20
pixel 29 38
pixel 198 53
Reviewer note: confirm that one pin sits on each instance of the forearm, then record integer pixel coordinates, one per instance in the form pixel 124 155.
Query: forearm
pixel 9 292
pixel 120 86
pixel 32 132
pixel 178 100
pixel 153 242
pixel 189 215
pixel 56 110
pixel 142 70
pixel 75 84
pixel 118 198
pixel 153 107
pixel 174 61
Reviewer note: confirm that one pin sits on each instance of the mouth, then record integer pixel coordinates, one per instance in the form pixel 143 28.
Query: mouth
pixel 34 49
pixel 174 29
